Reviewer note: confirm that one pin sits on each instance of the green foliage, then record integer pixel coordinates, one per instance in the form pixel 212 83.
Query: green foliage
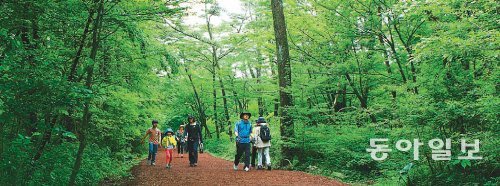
pixel 58 161
pixel 42 108
pixel 453 50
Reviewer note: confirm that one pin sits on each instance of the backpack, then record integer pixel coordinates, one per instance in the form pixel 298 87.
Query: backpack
pixel 265 133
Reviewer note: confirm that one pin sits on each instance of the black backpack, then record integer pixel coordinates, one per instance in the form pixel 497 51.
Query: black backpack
pixel 265 133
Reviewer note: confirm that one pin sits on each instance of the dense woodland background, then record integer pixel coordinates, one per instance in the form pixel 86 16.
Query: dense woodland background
pixel 81 80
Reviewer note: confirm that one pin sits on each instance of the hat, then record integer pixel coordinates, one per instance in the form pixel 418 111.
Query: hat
pixel 181 126
pixel 243 113
pixel 154 121
pixel 191 117
pixel 261 120
pixel 169 130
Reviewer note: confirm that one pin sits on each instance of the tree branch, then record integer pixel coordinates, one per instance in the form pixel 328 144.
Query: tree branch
pixel 191 35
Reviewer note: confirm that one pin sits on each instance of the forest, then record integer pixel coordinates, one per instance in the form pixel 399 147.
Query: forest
pixel 81 81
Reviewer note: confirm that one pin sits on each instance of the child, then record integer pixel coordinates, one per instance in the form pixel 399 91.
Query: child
pixel 181 139
pixel 154 139
pixel 169 143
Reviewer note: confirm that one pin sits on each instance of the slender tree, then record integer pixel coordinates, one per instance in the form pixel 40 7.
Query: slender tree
pixel 285 80
pixel 88 84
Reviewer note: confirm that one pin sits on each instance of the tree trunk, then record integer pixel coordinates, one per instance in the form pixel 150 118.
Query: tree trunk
pixel 273 74
pixel 250 69
pixel 407 45
pixel 45 139
pixel 260 101
pixel 226 109
pixel 344 96
pixel 413 70
pixel 224 101
pixel 200 108
pixel 314 122
pixel 88 84
pixel 237 99
pixel 74 65
pixel 386 53
pixel 336 98
pixel 68 120
pixel 215 102
pixel 214 69
pixel 363 98
pixel 396 57
pixel 285 81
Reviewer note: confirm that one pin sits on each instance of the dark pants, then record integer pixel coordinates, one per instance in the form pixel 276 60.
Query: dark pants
pixel 240 149
pixel 181 148
pixel 193 151
pixel 254 155
pixel 153 149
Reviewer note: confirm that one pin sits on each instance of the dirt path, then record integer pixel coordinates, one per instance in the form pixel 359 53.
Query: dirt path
pixel 215 171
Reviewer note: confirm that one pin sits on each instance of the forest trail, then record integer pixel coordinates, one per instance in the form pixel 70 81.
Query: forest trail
pixel 216 171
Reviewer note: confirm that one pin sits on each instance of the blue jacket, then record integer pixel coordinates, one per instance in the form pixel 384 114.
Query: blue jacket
pixel 244 130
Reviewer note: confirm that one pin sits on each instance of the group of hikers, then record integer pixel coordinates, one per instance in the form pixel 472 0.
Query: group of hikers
pixel 253 141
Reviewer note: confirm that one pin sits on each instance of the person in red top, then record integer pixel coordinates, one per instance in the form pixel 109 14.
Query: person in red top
pixel 154 139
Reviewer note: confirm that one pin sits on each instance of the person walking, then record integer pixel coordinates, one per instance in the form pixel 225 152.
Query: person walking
pixel 254 148
pixel 154 139
pixel 181 141
pixel 169 144
pixel 262 136
pixel 194 139
pixel 242 131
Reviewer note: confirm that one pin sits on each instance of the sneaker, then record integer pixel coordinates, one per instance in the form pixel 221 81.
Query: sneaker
pixel 259 167
pixel 182 156
pixel 153 163
pixel 247 169
pixel 235 167
pixel 268 166
pixel 195 164
pixel 191 165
